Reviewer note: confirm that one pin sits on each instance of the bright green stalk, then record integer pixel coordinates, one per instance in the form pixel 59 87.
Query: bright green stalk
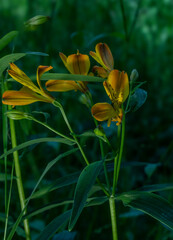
pixel 113 217
pixel 19 178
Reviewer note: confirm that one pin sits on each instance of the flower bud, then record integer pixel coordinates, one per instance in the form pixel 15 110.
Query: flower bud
pixel 34 22
pixel 134 75
pixel 99 131
pixel 18 115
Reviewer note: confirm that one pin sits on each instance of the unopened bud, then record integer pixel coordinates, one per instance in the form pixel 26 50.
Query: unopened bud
pixel 18 115
pixel 99 131
pixel 134 75
pixel 34 22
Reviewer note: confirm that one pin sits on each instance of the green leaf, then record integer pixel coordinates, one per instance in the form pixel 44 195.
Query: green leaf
pixel 54 225
pixel 48 167
pixel 4 61
pixel 84 185
pixel 65 235
pixel 4 41
pixel 151 204
pixel 137 99
pixel 73 77
pixel 37 54
pixel 60 182
pixel 89 203
pixel 90 134
pixel 36 141
pixel 157 187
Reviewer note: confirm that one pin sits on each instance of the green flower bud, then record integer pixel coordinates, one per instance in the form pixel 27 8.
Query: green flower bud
pixel 99 131
pixel 134 75
pixel 18 115
pixel 34 22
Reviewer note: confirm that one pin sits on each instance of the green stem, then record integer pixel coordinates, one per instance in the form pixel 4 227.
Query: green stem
pixel 121 147
pixel 124 20
pixel 52 129
pixel 116 162
pixel 57 104
pixel 113 217
pixel 19 178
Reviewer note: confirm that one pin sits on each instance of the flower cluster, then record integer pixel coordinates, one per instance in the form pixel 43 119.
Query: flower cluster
pixel 116 83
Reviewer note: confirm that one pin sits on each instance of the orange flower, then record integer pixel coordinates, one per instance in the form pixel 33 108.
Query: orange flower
pixel 104 57
pixel 117 89
pixel 29 93
pixel 76 64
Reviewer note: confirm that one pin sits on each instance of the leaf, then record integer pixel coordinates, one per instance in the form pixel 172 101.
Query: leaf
pixel 137 99
pixel 84 185
pixel 36 141
pixel 48 167
pixel 37 54
pixel 60 182
pixel 89 203
pixel 90 134
pixel 54 225
pixel 76 77
pixel 4 41
pixel 151 204
pixel 4 61
pixel 65 235
pixel 157 187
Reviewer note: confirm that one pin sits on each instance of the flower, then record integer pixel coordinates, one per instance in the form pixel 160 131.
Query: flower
pixel 117 89
pixel 29 93
pixel 104 57
pixel 76 64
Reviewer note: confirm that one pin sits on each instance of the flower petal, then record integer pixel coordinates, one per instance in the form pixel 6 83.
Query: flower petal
pixel 105 55
pixel 22 78
pixel 117 86
pixel 78 64
pixel 23 97
pixel 63 58
pixel 40 71
pixel 103 111
pixel 100 71
pixel 61 85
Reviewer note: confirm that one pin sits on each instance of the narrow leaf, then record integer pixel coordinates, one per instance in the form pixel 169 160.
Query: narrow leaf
pixel 37 54
pixel 76 77
pixel 4 61
pixel 54 225
pixel 4 41
pixel 84 185
pixel 65 235
pixel 48 167
pixel 151 204
pixel 36 141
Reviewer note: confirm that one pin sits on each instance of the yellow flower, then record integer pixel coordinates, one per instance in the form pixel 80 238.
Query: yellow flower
pixel 76 64
pixel 29 93
pixel 117 89
pixel 104 57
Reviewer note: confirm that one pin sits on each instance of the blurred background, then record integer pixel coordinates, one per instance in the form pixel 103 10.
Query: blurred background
pixel 140 36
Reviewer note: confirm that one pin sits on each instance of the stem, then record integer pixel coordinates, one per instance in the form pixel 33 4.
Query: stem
pixel 52 129
pixel 113 217
pixel 57 104
pixel 116 162
pixel 121 147
pixel 19 178
pixel 124 19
